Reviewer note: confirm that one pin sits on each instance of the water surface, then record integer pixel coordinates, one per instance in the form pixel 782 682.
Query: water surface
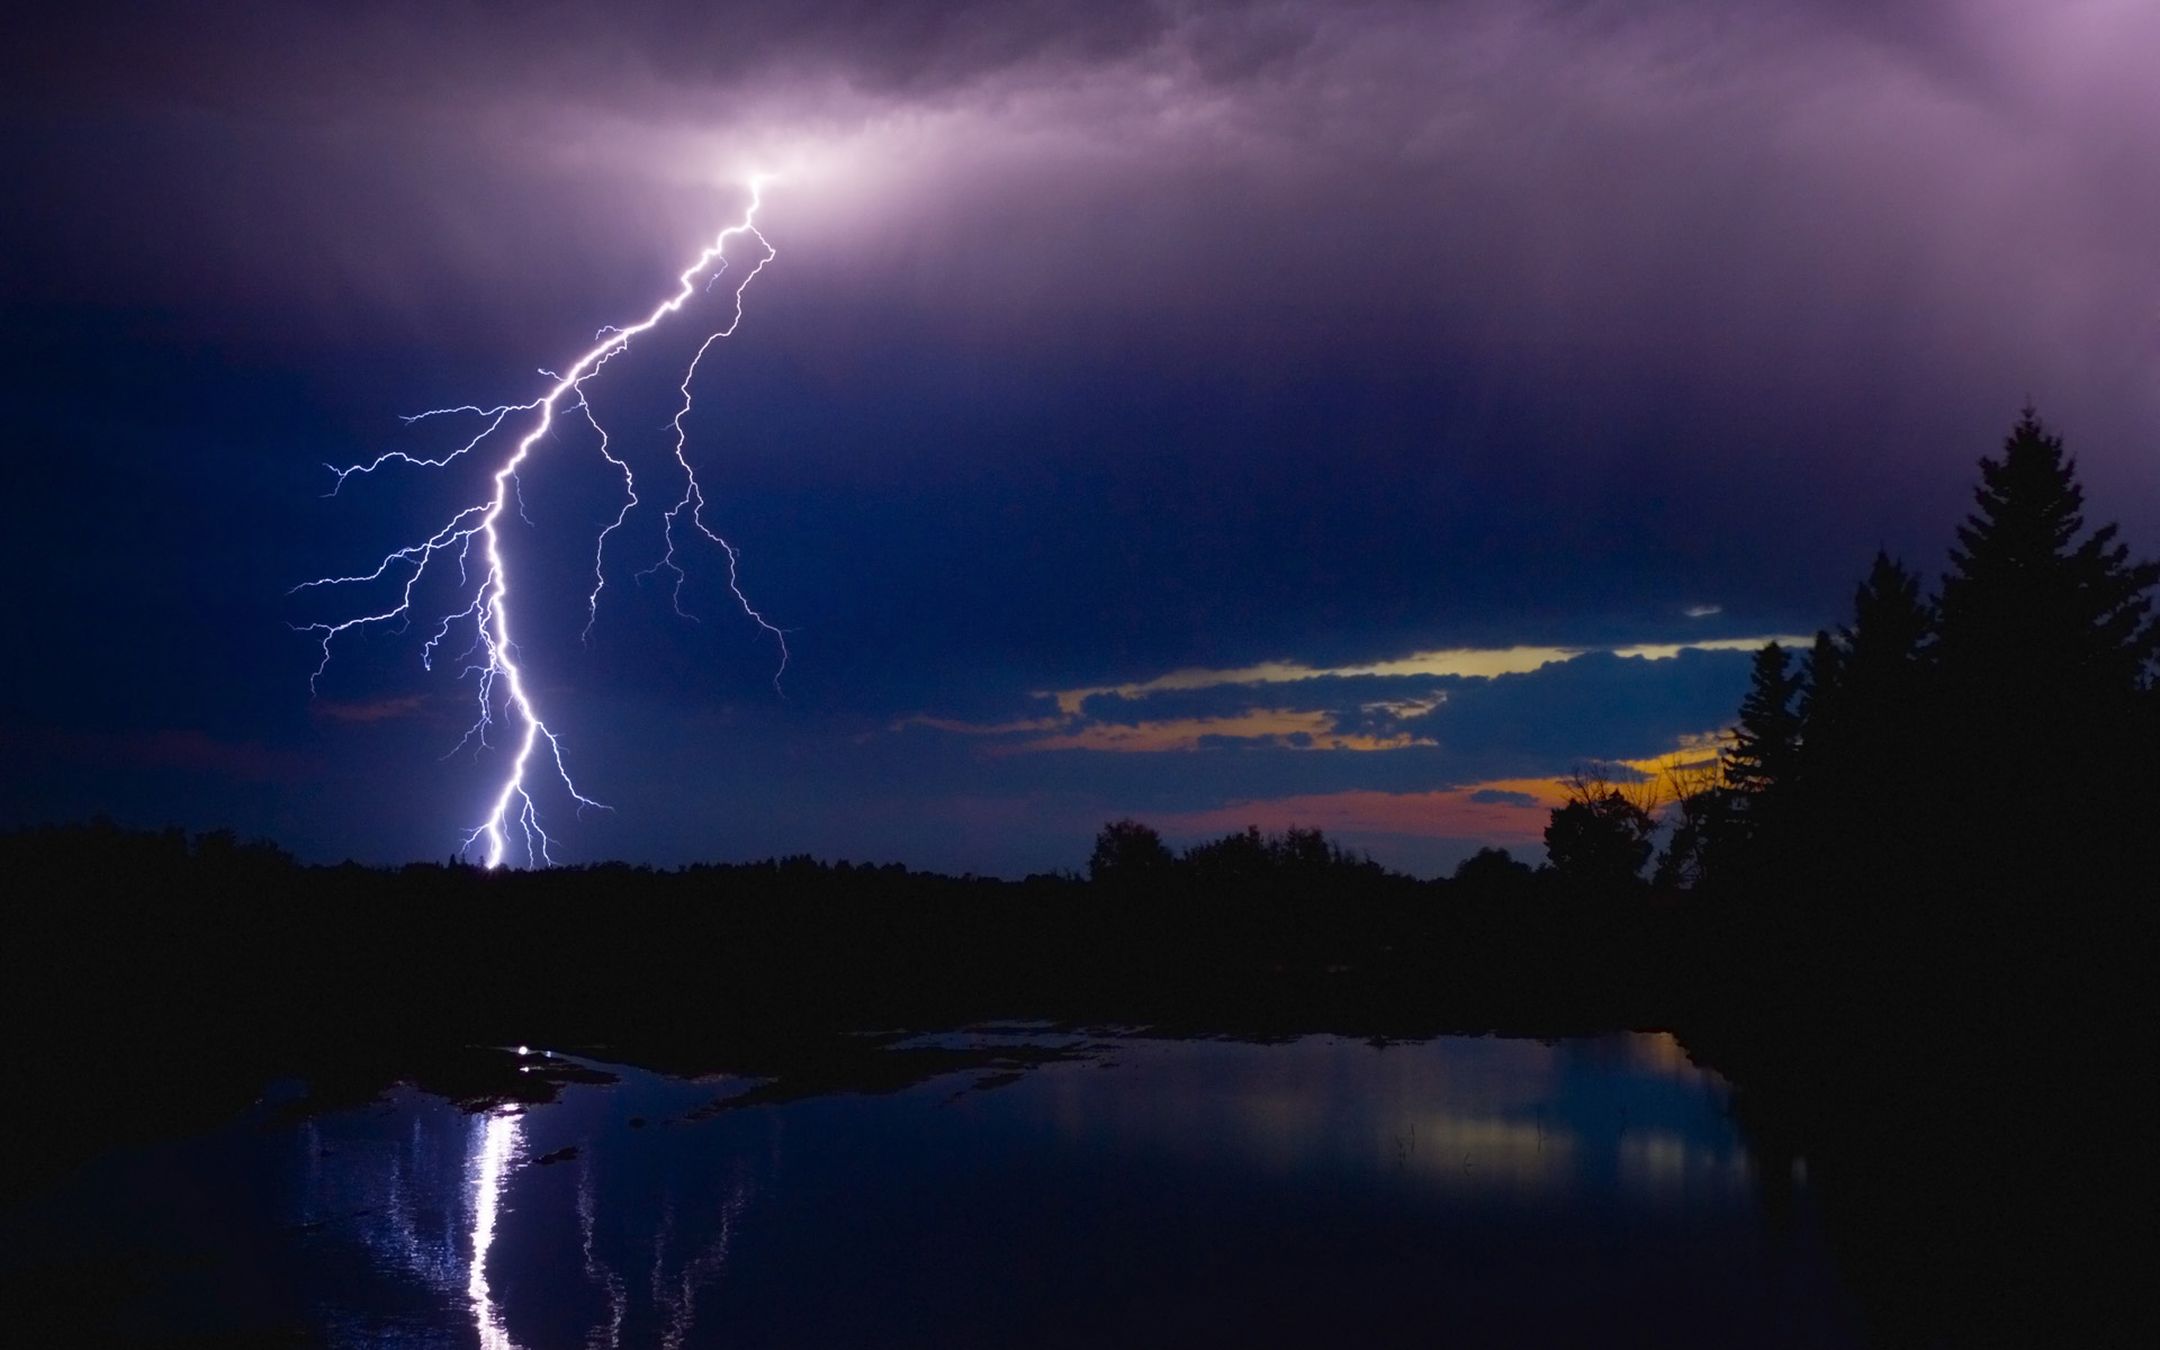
pixel 1145 1192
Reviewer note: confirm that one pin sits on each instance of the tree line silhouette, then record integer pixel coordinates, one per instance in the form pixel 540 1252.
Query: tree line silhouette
pixel 1947 801
pixel 1986 745
pixel 1996 737
pixel 1949 786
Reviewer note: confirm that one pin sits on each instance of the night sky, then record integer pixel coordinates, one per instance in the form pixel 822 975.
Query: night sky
pixel 1353 415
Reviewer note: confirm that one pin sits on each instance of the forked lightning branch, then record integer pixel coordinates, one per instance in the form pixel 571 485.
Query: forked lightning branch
pixel 509 721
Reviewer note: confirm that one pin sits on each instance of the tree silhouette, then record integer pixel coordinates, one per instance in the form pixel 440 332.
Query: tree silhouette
pixel 2045 655
pixel 1765 748
pixel 1822 673
pixel 1884 651
pixel 1309 850
pixel 1240 859
pixel 1127 851
pixel 1866 760
pixel 1738 833
pixel 2026 599
pixel 1599 840
pixel 1492 870
pixel 1704 822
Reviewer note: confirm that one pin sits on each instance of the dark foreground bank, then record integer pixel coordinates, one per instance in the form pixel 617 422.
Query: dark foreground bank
pixel 1976 1126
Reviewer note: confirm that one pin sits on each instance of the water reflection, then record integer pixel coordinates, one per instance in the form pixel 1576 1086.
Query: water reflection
pixel 1160 1192
pixel 1468 1151
pixel 677 1299
pixel 1664 1163
pixel 1519 1117
pixel 491 1239
pixel 498 1134
pixel 597 1271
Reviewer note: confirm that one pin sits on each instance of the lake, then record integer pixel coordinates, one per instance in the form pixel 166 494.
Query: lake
pixel 1126 1190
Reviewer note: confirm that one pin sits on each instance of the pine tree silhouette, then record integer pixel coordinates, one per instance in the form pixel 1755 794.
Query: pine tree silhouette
pixel 1866 766
pixel 2046 646
pixel 1766 743
pixel 1867 683
pixel 2030 611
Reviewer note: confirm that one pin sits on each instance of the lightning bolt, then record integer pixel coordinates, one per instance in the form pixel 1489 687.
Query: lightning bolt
pixel 503 692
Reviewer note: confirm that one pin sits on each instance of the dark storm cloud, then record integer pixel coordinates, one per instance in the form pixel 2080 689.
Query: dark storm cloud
pixel 1797 174
pixel 1596 707
pixel 1656 256
pixel 1105 340
pixel 1731 204
pixel 1345 697
pixel 401 53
